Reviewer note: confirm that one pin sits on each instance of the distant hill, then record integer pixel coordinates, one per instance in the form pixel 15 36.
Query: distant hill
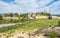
pixel 56 15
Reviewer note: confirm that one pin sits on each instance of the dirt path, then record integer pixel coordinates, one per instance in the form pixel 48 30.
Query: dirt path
pixel 10 24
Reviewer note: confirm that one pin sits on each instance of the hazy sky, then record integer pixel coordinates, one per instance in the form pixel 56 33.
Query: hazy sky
pixel 23 6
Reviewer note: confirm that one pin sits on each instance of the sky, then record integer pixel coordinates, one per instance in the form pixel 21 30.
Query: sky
pixel 28 6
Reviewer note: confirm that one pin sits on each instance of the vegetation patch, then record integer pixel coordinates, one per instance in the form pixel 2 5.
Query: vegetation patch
pixel 31 25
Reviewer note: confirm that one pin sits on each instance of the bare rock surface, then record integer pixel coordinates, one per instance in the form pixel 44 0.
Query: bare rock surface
pixel 36 33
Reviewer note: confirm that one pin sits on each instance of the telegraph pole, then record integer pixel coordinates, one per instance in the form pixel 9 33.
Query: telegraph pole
pixel 50 17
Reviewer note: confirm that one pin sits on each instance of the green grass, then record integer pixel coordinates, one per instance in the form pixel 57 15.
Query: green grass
pixel 31 25
pixel 52 34
pixel 40 23
pixel 4 21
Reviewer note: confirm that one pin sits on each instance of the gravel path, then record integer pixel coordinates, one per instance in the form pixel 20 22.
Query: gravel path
pixel 10 24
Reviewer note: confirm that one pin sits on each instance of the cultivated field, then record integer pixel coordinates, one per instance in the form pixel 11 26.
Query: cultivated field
pixel 37 23
pixel 32 25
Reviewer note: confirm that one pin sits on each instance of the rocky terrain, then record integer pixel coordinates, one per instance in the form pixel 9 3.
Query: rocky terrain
pixel 42 32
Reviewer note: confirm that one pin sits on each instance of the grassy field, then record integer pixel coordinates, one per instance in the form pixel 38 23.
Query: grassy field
pixel 40 23
pixel 6 21
pixel 37 23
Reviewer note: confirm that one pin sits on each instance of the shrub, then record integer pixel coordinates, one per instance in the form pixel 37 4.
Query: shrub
pixel 52 34
pixel 1 17
pixel 16 20
pixel 59 23
pixel 49 17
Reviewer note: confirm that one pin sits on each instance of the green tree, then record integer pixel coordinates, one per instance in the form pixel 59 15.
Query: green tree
pixel 11 15
pixel 1 17
pixel 24 17
pixel 16 14
pixel 42 13
pixel 58 23
pixel 6 15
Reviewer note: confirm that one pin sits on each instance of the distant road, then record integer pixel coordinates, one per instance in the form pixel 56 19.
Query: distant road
pixel 2 25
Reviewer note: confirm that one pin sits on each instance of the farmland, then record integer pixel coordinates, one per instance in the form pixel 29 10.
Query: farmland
pixel 40 23
pixel 32 25
pixel 37 23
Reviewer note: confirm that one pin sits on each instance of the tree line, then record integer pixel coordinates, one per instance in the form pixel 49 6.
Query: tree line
pixel 24 15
